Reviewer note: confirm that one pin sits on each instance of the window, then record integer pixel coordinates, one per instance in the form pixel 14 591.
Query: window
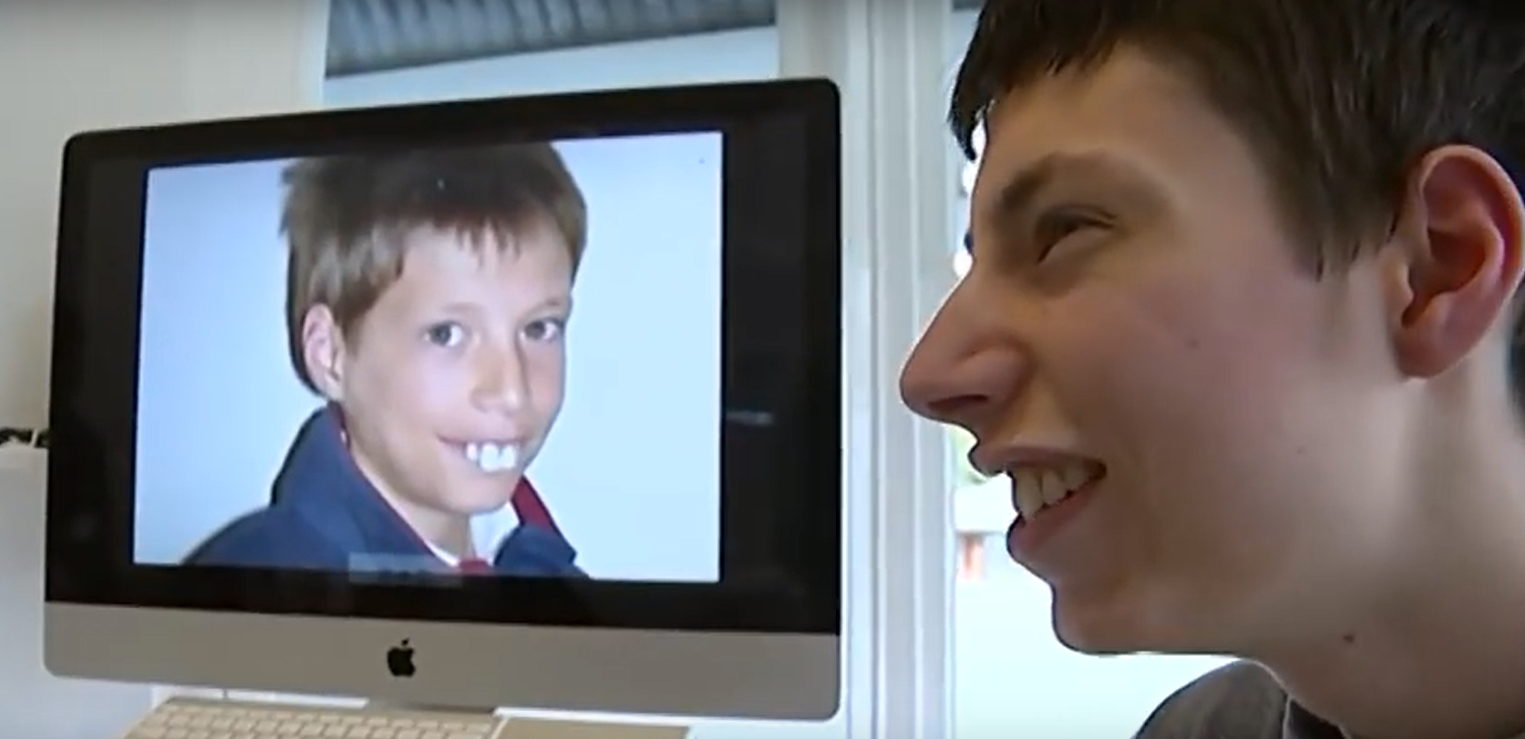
pixel 729 56
pixel 1009 671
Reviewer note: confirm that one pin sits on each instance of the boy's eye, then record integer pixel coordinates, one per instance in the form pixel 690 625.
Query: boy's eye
pixel 545 329
pixel 446 334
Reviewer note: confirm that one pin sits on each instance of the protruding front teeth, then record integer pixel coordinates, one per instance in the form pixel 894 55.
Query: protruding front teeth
pixel 1036 488
pixel 490 457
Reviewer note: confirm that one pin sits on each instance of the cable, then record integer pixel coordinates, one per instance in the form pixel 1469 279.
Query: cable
pixel 24 436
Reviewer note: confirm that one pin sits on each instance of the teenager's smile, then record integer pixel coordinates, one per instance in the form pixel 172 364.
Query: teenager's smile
pixel 1048 488
pixel 1048 495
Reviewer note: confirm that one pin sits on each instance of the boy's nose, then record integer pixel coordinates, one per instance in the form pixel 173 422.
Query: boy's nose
pixel 501 384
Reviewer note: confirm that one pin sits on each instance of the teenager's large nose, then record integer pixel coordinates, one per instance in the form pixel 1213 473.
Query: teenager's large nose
pixel 964 370
pixel 500 383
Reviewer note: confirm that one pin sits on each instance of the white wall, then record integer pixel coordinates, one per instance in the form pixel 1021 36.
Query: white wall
pixel 67 66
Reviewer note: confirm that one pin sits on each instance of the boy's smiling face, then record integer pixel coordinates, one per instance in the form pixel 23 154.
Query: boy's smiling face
pixel 450 383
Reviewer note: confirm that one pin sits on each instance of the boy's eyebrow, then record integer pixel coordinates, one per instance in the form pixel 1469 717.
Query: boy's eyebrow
pixel 562 302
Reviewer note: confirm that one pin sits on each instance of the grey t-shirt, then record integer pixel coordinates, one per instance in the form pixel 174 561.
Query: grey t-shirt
pixel 1237 701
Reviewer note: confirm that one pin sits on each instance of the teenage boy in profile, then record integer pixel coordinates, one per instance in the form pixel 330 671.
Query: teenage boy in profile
pixel 1242 327
pixel 428 294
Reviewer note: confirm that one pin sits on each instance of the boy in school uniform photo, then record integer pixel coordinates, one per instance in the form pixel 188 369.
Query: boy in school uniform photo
pixel 1243 332
pixel 428 295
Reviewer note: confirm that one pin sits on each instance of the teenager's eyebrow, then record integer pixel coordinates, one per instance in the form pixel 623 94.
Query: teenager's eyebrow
pixel 1017 194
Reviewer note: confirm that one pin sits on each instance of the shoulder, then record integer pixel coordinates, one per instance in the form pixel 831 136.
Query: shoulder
pixel 534 551
pixel 274 537
pixel 1241 700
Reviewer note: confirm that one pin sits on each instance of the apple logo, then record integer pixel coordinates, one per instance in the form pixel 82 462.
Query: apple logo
pixel 400 660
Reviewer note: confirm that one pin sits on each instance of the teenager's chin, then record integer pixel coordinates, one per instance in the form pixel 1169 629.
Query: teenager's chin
pixel 1101 625
pixel 1118 626
pixel 1092 637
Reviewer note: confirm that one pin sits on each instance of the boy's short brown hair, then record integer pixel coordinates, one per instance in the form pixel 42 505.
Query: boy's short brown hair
pixel 1337 98
pixel 346 218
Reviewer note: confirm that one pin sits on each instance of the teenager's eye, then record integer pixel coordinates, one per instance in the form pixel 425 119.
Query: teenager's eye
pixel 447 334
pixel 1056 226
pixel 545 329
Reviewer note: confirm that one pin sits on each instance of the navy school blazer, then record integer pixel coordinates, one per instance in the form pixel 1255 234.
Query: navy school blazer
pixel 324 515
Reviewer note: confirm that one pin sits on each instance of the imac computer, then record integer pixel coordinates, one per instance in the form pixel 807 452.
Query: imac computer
pixel 526 402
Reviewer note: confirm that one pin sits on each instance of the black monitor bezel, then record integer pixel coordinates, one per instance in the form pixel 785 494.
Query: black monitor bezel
pixel 782 265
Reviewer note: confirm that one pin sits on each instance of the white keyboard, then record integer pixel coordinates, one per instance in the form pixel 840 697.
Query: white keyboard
pixel 182 718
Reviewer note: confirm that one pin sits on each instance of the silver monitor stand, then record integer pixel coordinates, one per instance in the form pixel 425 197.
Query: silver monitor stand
pixel 537 728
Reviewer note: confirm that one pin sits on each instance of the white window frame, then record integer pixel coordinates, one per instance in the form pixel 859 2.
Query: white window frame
pixel 888 58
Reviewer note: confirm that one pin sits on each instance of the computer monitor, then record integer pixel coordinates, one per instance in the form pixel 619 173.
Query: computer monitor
pixel 325 420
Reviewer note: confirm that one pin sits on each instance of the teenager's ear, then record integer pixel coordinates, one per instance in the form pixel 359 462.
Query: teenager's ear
pixel 323 352
pixel 1463 255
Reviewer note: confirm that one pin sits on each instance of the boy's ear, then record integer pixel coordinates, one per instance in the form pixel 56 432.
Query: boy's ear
pixel 323 352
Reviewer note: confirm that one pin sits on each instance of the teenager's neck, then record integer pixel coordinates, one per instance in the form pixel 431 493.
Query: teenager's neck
pixel 1438 655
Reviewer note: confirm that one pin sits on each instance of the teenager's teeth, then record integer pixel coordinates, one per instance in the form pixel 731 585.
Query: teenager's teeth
pixel 1026 493
pixel 1053 488
pixel 1075 475
pixel 491 457
pixel 1036 488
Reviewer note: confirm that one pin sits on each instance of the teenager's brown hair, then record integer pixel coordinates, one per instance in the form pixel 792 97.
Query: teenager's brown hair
pixel 346 218
pixel 1337 98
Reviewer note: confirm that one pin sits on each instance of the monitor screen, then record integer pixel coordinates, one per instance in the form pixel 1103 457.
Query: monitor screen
pixel 511 382
pixel 491 359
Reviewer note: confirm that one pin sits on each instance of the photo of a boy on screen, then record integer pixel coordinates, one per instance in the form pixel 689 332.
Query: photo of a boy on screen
pixel 427 299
